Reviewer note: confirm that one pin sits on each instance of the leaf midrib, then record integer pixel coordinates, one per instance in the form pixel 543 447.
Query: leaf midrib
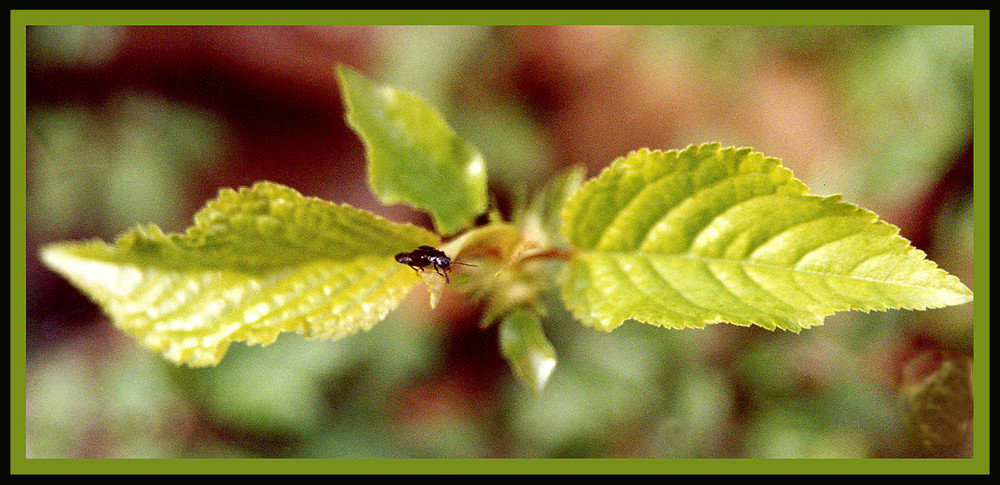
pixel 706 259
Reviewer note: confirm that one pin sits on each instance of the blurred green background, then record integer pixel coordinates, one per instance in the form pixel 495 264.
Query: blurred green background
pixel 129 125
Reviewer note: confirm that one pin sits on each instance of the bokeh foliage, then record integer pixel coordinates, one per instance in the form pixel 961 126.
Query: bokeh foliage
pixel 728 392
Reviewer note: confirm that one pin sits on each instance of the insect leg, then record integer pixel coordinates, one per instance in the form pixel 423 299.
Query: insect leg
pixel 443 272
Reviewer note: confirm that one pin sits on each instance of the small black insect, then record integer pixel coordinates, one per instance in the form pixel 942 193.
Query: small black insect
pixel 424 256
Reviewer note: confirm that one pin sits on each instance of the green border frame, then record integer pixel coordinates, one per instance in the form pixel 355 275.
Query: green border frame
pixel 499 17
pixel 979 19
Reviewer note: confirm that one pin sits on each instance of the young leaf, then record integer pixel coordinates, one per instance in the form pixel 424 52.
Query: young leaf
pixel 527 350
pixel 706 235
pixel 257 262
pixel 414 157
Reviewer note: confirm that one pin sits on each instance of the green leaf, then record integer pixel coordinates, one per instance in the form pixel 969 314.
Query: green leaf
pixel 526 349
pixel 706 235
pixel 414 157
pixel 543 215
pixel 257 262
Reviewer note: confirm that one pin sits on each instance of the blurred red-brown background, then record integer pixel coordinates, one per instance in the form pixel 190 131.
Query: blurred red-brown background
pixel 131 125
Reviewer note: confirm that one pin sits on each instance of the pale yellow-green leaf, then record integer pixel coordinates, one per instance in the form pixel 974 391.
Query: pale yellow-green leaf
pixel 434 283
pixel 706 235
pixel 257 262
